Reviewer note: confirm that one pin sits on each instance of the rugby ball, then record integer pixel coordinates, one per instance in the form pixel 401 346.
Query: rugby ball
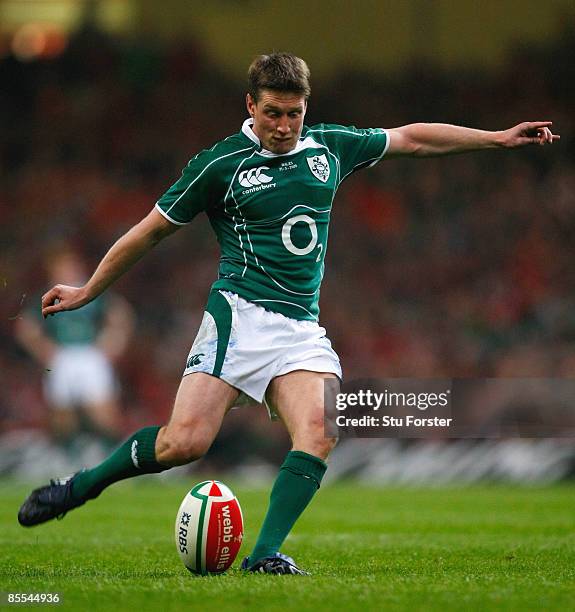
pixel 209 528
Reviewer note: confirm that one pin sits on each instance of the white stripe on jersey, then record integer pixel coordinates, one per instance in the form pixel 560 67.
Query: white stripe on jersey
pixel 197 177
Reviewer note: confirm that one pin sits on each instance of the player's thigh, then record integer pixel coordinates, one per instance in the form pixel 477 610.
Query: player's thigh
pixel 202 402
pixel 299 398
pixel 63 422
pixel 105 414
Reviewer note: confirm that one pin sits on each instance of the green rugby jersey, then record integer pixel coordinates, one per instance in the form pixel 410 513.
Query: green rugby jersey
pixel 78 327
pixel 271 212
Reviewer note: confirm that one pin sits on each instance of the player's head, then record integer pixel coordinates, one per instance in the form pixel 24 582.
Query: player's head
pixel 277 99
pixel 65 265
pixel 280 72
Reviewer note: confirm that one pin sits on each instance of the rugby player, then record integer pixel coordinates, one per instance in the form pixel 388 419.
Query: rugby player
pixel 78 352
pixel 268 192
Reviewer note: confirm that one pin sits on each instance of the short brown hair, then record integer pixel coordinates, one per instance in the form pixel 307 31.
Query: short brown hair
pixel 279 72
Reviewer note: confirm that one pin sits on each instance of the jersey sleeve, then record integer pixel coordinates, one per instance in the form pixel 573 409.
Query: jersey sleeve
pixel 354 147
pixel 194 192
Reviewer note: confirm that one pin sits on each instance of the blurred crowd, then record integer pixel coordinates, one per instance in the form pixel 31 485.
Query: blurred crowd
pixel 445 267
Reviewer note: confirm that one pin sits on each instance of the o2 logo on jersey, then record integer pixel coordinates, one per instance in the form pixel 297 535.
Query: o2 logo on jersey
pixel 290 246
pixel 254 177
pixel 319 167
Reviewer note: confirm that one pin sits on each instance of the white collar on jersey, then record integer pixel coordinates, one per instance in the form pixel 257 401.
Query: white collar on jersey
pixel 247 130
pixel 306 143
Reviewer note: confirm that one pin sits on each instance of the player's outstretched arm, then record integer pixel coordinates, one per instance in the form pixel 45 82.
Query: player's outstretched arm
pixel 429 139
pixel 121 257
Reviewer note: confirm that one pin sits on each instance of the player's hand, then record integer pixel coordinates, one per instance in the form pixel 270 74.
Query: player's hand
pixel 63 297
pixel 529 132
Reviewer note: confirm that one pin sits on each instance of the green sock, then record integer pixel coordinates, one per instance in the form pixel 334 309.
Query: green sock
pixel 134 457
pixel 298 480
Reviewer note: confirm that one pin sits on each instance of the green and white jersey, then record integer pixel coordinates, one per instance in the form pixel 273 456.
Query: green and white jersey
pixel 271 212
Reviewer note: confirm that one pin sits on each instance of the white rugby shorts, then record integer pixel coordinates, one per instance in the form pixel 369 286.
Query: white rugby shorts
pixel 79 376
pixel 247 346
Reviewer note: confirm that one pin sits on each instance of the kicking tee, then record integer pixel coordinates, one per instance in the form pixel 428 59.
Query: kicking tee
pixel 271 212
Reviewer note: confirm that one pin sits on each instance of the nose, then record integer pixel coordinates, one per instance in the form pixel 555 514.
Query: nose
pixel 283 125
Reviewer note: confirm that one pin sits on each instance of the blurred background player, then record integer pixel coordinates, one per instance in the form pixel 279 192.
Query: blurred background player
pixel 78 353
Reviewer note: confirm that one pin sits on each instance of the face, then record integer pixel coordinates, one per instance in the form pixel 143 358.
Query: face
pixel 278 119
pixel 67 268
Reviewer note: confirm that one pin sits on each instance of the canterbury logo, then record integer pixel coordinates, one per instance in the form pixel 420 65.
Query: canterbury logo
pixel 194 360
pixel 255 176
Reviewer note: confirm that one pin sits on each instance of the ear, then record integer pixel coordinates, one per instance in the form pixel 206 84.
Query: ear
pixel 251 105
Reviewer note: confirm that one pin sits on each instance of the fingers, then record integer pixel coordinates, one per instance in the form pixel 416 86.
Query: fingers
pixel 539 132
pixel 62 297
pixel 50 296
pixel 544 135
pixel 50 310
pixel 534 125
pixel 51 301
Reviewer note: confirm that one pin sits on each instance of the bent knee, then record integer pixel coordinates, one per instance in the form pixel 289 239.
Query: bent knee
pixel 324 447
pixel 310 436
pixel 179 447
pixel 316 445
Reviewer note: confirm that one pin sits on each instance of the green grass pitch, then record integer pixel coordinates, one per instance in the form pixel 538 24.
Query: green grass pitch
pixel 477 548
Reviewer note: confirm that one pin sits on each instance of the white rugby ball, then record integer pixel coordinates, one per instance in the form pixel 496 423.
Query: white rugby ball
pixel 209 528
